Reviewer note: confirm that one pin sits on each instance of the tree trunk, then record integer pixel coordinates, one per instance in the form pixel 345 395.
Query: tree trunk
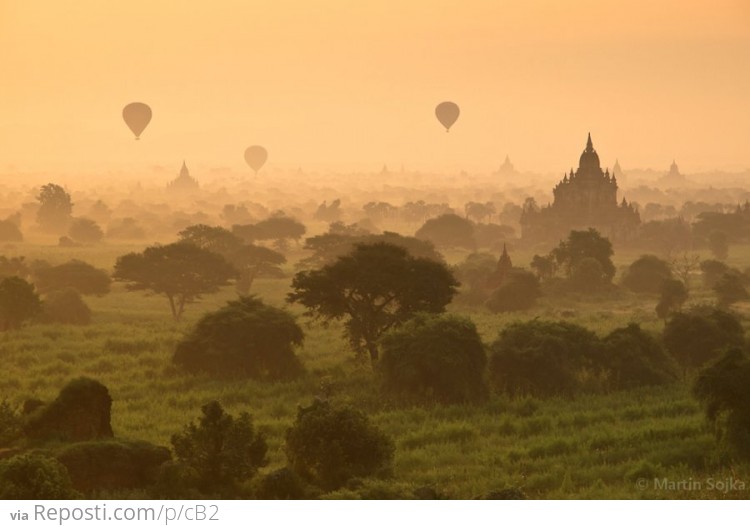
pixel 372 349
pixel 175 316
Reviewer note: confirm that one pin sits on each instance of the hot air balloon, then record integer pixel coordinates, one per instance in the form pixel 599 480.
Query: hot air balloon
pixel 256 156
pixel 447 114
pixel 137 115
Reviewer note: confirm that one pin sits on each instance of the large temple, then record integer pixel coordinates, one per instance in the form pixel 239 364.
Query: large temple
pixel 586 198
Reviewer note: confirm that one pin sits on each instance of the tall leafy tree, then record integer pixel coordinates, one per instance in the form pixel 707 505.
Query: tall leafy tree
pixel 56 208
pixel 374 288
pixel 584 244
pixel 183 272
pixel 222 450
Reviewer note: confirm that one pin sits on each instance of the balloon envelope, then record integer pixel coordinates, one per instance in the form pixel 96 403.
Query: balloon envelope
pixel 447 113
pixel 137 115
pixel 256 156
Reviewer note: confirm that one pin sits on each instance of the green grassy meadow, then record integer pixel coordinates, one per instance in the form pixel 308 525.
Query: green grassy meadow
pixel 597 446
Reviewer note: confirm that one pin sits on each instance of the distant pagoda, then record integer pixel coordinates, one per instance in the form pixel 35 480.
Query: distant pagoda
pixel 506 168
pixel 586 198
pixel 673 177
pixel 184 183
pixel 502 270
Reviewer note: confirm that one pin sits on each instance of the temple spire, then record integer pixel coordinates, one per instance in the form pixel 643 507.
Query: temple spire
pixel 589 144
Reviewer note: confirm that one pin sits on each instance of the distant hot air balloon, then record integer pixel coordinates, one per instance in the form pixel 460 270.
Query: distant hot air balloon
pixel 256 156
pixel 447 114
pixel 137 115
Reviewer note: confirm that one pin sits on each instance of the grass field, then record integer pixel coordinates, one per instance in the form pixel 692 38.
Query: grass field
pixel 602 446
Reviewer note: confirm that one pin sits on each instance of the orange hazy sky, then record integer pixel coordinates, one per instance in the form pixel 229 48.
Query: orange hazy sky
pixel 346 84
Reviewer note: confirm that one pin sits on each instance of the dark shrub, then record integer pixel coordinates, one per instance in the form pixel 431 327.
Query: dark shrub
pixel 221 450
pixel 646 274
pixel 328 446
pixel 18 303
pixel 724 389
pixel 712 271
pixel 434 357
pixel 80 412
pixel 474 273
pixel 84 230
pixel 74 274
pixel 693 338
pixel 112 464
pixel 34 477
pixel 282 484
pixel 634 358
pixel 65 306
pixel 518 291
pixel 540 358
pixel 9 232
pixel 243 338
pixel 448 230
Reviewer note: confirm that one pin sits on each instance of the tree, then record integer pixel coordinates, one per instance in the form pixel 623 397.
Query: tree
pixel 541 358
pixel 724 389
pixel 683 267
pixel 328 248
pixel 730 289
pixel 10 424
pixel 374 288
pixel 582 245
pixel 474 273
pixel 274 228
pixel 544 266
pixel 10 232
pixel 435 357
pixel 588 276
pixel 713 270
pixel 35 477
pixel 634 358
pixel 74 274
pixel 220 449
pixel 214 238
pixel 646 274
pixel 492 235
pixel 718 243
pixel 15 266
pixel 448 230
pixel 693 338
pixel 84 230
pixel 479 212
pixel 65 306
pixel 519 290
pixel 253 261
pixel 329 446
pixel 673 295
pixel 182 272
pixel 244 338
pixel 55 208
pixel 250 261
pixel 328 213
pixel 18 303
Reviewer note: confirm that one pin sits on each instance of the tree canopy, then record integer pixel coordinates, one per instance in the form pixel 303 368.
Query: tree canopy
pixel 183 272
pixel 374 288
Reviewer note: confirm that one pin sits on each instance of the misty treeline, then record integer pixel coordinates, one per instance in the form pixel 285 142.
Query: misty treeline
pixel 379 274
